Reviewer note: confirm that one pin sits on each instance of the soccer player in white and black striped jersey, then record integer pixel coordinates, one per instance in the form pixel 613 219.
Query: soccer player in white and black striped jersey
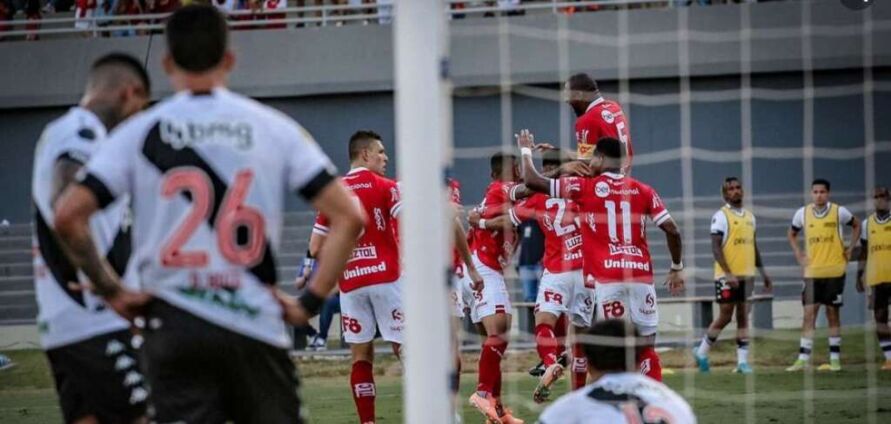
pixel 208 171
pixel 94 364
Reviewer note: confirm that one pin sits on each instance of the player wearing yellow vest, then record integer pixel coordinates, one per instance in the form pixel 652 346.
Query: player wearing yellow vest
pixel 874 267
pixel 823 262
pixel 736 258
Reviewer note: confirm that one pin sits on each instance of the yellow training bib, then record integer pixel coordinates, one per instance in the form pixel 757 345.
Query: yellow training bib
pixel 825 248
pixel 739 244
pixel 878 241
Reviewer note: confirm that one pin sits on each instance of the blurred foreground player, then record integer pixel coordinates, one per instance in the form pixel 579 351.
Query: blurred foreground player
pixel 208 171
pixel 874 267
pixel 614 210
pixel 88 346
pixel 617 394
pixel 736 258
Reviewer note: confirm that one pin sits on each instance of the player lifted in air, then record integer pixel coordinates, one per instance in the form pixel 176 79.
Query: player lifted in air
pixel 823 261
pixel 88 346
pixel 562 291
pixel 490 308
pixel 874 267
pixel 370 292
pixel 597 117
pixel 736 259
pixel 614 209
pixel 207 171
pixel 617 393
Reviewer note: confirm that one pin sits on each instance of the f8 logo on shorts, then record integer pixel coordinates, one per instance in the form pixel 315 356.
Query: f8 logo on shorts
pixel 351 324
pixel 396 314
pixel 614 309
pixel 550 296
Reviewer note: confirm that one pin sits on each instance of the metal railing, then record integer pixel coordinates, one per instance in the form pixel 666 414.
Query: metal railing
pixel 325 15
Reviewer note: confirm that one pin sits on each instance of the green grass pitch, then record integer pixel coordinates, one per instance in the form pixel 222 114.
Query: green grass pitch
pixel 770 396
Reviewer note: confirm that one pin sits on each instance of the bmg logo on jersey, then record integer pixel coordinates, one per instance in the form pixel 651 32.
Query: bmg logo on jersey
pixel 601 189
pixel 187 134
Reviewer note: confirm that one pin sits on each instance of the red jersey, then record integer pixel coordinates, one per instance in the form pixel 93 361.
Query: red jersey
pixel 558 220
pixel 375 259
pixel 455 198
pixel 604 118
pixel 614 209
pixel 494 247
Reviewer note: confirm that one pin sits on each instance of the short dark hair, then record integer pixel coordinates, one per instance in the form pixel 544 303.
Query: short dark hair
pixel 823 182
pixel 197 37
pixel 360 141
pixel 610 147
pixel 126 61
pixel 883 190
pixel 582 82
pixel 497 161
pixel 611 355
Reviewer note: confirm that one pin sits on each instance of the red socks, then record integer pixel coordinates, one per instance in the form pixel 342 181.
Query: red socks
pixel 579 367
pixel 560 331
pixel 546 344
pixel 650 365
pixel 362 383
pixel 490 365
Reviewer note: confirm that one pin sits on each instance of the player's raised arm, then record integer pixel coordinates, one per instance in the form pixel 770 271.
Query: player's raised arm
pixel 531 177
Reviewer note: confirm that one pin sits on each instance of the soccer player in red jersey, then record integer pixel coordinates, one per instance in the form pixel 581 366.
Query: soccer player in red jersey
pixel 614 211
pixel 491 306
pixel 562 291
pixel 597 117
pixel 370 296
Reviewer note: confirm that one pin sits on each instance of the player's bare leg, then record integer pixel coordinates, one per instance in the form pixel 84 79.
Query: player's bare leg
pixel 809 322
pixel 833 317
pixel 883 333
pixel 362 380
pixel 547 345
pixel 700 353
pixel 742 338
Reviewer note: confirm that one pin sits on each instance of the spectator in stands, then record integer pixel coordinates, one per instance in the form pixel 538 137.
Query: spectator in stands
pixel 6 14
pixel 124 8
pixel 162 6
pixel 272 5
pixel 83 15
pixel 33 15
pixel 308 3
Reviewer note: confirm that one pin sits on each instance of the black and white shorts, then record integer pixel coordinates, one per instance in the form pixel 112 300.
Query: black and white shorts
pixel 823 291
pixel 202 373
pixel 101 377
pixel 880 296
pixel 739 294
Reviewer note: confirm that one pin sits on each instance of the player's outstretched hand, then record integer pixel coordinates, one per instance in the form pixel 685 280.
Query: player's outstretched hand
pixel 127 303
pixel 525 139
pixel 860 286
pixel 731 280
pixel 476 280
pixel 541 147
pixel 675 283
pixel 768 285
pixel 473 218
pixel 802 259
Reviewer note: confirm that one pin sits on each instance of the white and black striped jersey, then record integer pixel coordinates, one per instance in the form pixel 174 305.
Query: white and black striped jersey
pixel 67 316
pixel 620 398
pixel 207 174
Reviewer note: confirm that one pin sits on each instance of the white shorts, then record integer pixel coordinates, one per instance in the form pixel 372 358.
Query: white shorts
pixel 367 309
pixel 565 293
pixel 636 301
pixel 492 299
pixel 456 300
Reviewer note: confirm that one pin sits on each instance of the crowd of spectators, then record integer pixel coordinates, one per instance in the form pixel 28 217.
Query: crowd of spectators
pixel 88 13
